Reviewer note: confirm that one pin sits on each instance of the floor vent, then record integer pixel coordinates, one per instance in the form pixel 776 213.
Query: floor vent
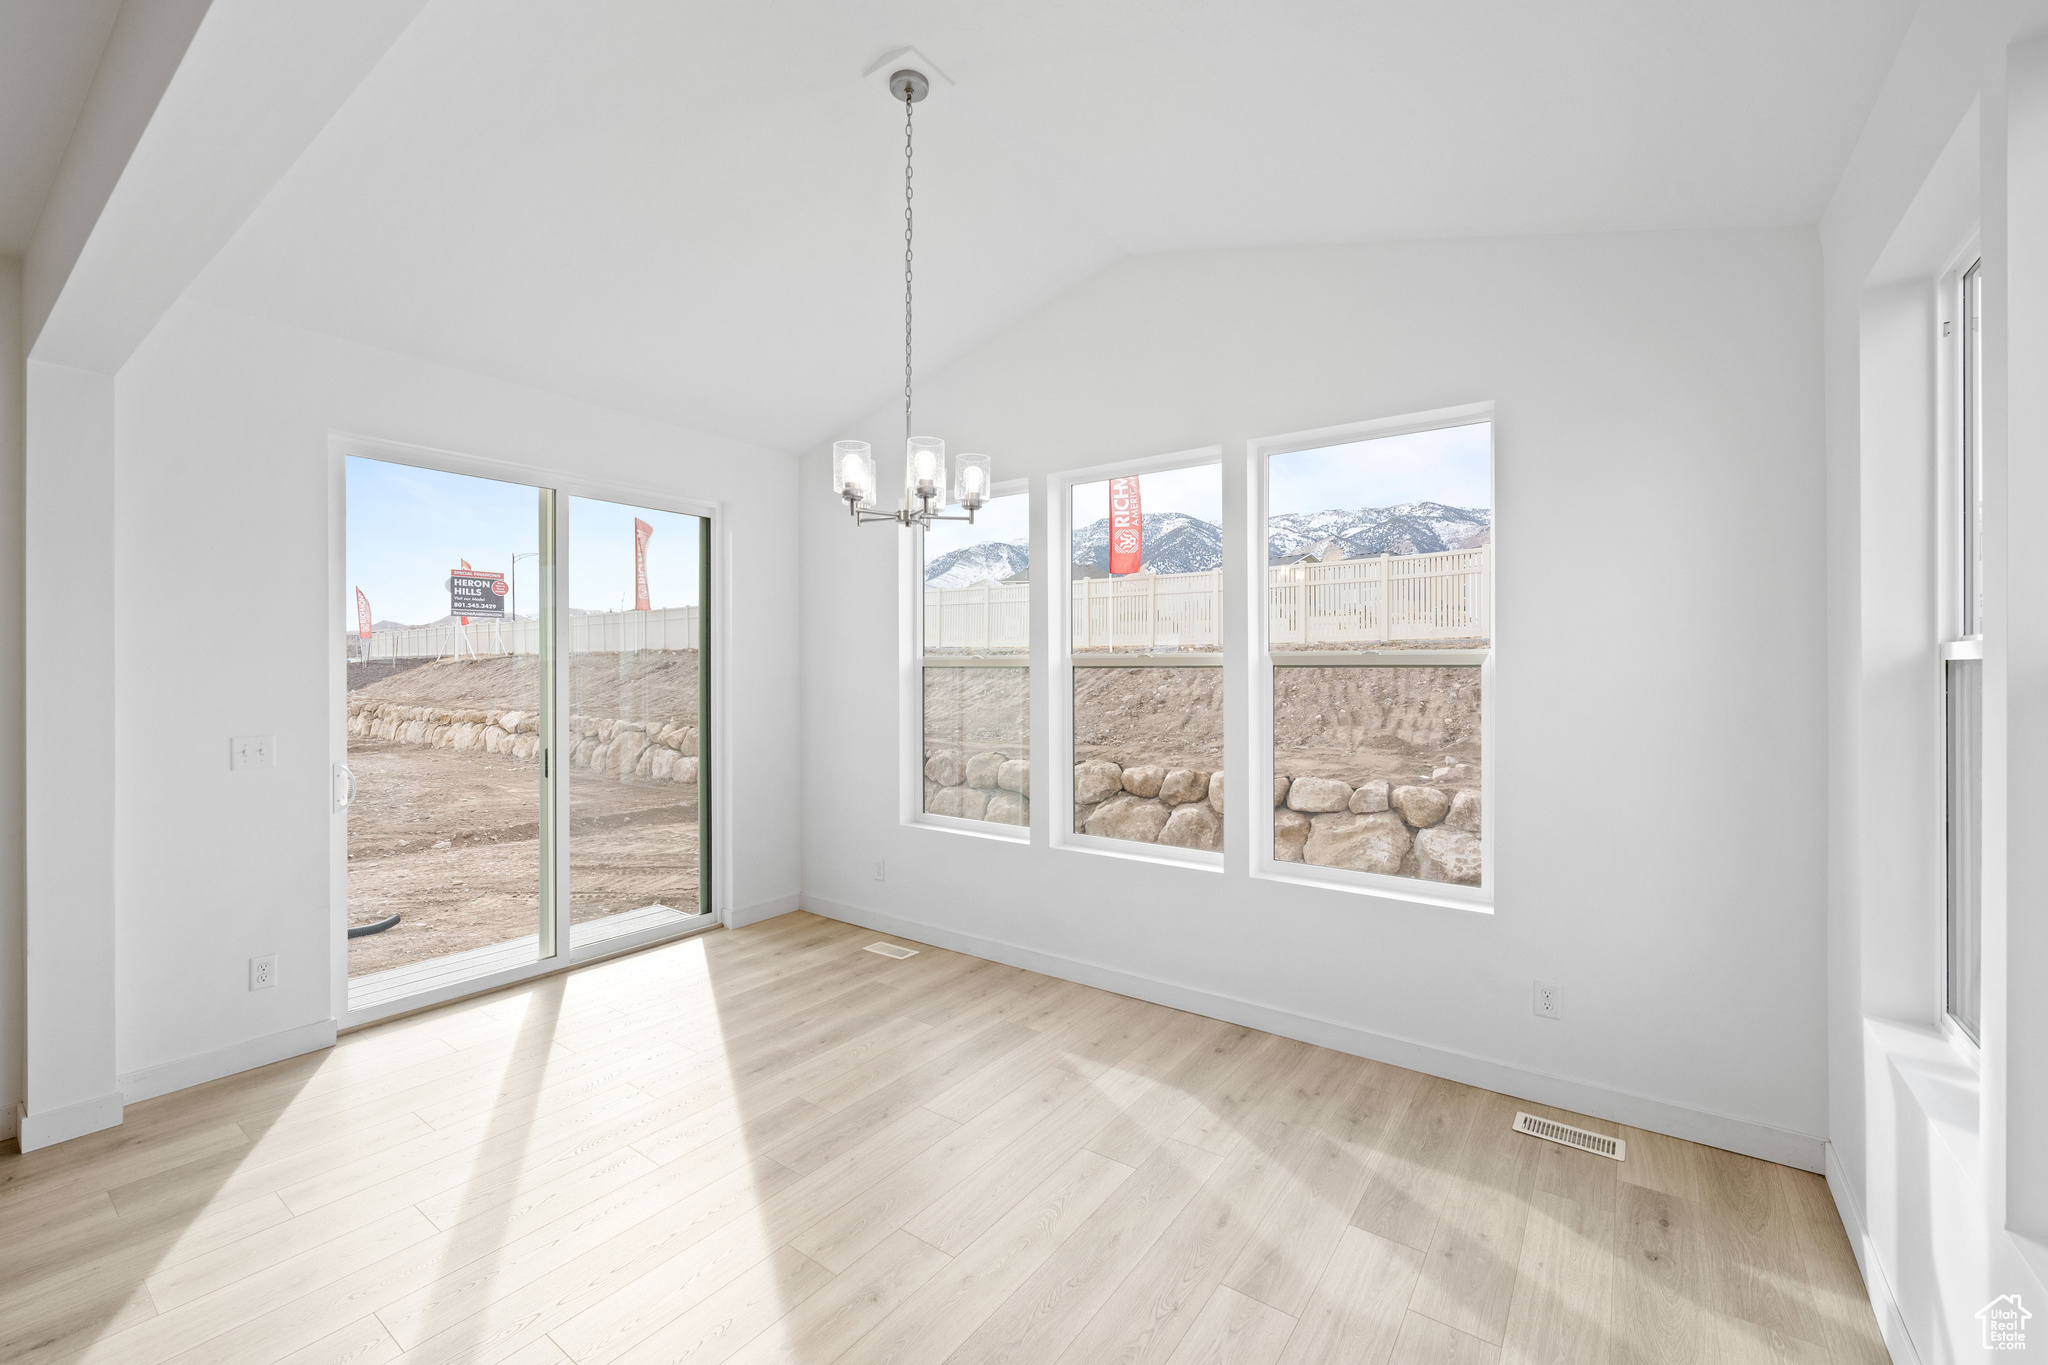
pixel 892 950
pixel 1564 1133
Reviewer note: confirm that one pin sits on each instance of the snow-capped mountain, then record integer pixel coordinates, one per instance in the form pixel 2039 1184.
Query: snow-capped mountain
pixel 973 563
pixel 1174 543
pixel 1411 528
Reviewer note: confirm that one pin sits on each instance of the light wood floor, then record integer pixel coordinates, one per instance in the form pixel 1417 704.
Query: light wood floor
pixel 771 1145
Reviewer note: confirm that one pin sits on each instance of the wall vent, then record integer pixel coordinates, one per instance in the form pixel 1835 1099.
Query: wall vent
pixel 892 950
pixel 1552 1131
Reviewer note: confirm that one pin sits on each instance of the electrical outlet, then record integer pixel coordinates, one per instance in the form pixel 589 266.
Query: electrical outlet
pixel 252 751
pixel 262 972
pixel 881 872
pixel 1547 1004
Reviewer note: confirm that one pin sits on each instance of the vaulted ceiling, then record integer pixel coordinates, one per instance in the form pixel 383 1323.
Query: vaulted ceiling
pixel 693 210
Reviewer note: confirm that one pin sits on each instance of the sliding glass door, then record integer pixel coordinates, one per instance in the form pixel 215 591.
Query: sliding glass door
pixel 636 706
pixel 527 753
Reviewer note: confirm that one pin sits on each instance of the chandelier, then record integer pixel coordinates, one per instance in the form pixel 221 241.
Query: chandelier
pixel 924 457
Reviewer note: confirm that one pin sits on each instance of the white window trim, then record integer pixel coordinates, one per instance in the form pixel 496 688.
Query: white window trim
pixel 1256 820
pixel 1951 336
pixel 910 690
pixel 1057 780
pixel 714 595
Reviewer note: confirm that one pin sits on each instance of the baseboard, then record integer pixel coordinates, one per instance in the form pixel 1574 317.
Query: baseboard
pixel 754 914
pixel 52 1126
pixel 162 1079
pixel 1891 1323
pixel 1581 1097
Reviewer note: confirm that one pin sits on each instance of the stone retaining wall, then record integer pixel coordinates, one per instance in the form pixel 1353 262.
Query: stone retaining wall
pixel 648 751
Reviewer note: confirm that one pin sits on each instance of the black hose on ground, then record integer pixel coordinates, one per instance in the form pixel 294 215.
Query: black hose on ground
pixel 358 930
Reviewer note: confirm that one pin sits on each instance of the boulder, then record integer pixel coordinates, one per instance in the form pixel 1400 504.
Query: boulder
pixel 1455 772
pixel 1290 832
pixel 684 773
pixel 1370 796
pixel 1007 808
pixel 968 803
pixel 643 767
pixel 1216 792
pixel 1081 814
pixel 943 768
pixel 1464 812
pixel 1183 786
pixel 688 742
pixel 493 739
pixel 1444 854
pixel 627 746
pixel 1421 806
pixel 1193 826
pixel 1280 785
pixel 1144 780
pixel 525 746
pixel 1364 843
pixel 1318 794
pixel 1096 781
pixel 931 789
pixel 1136 818
pixel 511 722
pixel 982 769
pixel 1015 776
pixel 662 762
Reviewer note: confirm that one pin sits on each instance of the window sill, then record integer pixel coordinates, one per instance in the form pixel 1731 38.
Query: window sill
pixel 1441 895
pixel 1927 1065
pixel 1168 856
pixel 973 829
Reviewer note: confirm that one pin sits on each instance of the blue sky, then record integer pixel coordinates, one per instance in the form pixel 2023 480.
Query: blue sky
pixel 407 527
pixel 1197 491
pixel 1449 465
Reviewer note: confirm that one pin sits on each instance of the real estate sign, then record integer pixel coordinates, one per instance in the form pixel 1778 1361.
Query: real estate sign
pixel 476 592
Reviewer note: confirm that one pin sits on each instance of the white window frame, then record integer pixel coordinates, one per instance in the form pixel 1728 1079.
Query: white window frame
pixel 1058 781
pixel 715 596
pixel 911 688
pixel 1960 628
pixel 1255 821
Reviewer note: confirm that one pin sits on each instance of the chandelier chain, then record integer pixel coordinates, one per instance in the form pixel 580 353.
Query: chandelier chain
pixel 907 101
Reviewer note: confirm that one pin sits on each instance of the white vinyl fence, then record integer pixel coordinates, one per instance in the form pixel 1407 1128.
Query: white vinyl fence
pixel 1387 599
pixel 610 632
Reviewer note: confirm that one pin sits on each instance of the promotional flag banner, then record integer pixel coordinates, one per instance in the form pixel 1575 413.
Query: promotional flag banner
pixel 642 532
pixel 362 615
pixel 1126 526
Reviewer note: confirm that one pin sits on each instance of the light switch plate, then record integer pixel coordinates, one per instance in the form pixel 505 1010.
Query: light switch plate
pixel 248 752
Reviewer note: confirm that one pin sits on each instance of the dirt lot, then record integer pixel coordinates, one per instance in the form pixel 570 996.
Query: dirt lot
pixel 449 839
pixel 1359 724
pixel 650 685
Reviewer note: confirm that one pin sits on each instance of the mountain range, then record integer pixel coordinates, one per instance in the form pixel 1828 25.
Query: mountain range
pixel 1178 543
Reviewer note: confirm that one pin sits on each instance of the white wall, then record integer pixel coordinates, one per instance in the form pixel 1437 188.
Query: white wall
pixel 13 850
pixel 1936 1162
pixel 223 490
pixel 1660 801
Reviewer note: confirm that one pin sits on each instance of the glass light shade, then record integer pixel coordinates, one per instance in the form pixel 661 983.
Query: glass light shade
pixel 924 470
pixel 971 480
pixel 853 472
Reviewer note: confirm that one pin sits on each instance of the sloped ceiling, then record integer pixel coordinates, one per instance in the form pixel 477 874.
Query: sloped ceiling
pixel 49 50
pixel 693 210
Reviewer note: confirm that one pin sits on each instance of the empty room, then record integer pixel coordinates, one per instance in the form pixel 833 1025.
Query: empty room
pixel 895 683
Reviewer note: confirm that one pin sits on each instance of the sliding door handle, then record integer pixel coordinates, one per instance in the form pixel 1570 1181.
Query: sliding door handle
pixel 343 773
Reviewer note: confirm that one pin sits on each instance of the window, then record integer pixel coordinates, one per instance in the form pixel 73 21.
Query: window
pixel 1378 629
pixel 975 688
pixel 1963 664
pixel 1145 644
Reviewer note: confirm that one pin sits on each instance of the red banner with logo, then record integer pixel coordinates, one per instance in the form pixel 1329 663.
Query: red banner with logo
pixel 1126 526
pixel 642 532
pixel 362 615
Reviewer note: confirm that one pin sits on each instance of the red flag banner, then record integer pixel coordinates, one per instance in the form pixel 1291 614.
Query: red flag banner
pixel 1126 526
pixel 642 532
pixel 362 615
